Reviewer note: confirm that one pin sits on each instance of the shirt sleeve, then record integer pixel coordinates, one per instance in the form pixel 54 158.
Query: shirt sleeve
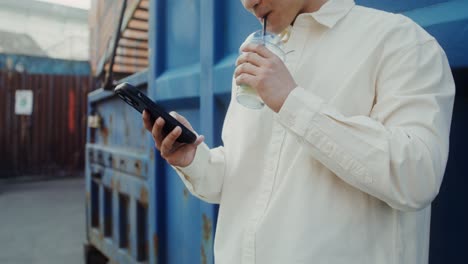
pixel 399 152
pixel 204 176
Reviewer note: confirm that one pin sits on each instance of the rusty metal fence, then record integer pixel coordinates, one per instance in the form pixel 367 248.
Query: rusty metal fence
pixel 51 139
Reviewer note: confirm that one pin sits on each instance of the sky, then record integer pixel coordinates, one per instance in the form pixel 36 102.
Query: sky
pixel 83 4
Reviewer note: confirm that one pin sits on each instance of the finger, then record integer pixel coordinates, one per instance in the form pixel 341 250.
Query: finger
pixel 199 140
pixel 246 68
pixel 258 48
pixel 168 142
pixel 147 120
pixel 182 120
pixel 157 132
pixel 250 57
pixel 245 79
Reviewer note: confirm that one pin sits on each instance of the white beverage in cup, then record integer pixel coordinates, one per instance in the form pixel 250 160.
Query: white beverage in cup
pixel 246 95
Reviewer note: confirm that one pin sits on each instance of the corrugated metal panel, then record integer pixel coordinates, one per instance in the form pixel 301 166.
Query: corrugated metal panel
pixel 53 137
pixel 118 190
pixel 132 55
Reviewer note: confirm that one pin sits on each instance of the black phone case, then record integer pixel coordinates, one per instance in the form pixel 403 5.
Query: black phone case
pixel 138 100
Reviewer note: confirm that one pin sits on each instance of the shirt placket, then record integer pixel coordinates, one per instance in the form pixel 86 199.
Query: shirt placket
pixel 268 179
pixel 272 160
pixel 294 48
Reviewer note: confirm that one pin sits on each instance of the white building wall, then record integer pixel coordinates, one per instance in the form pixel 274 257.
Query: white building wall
pixel 62 32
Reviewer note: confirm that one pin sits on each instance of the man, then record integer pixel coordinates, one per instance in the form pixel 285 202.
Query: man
pixel 343 162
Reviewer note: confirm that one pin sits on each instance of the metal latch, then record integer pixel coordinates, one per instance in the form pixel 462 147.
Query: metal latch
pixel 94 121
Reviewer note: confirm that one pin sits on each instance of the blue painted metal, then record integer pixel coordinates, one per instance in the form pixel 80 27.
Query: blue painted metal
pixel 193 46
pixel 42 65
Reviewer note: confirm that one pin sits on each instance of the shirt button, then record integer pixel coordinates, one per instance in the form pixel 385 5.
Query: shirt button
pixel 327 148
pixel 300 140
pixel 292 120
pixel 270 168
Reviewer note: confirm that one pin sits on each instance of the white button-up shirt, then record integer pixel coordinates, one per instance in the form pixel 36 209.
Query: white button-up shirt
pixel 346 171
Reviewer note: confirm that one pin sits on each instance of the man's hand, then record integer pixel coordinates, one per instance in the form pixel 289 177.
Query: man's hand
pixel 262 70
pixel 175 153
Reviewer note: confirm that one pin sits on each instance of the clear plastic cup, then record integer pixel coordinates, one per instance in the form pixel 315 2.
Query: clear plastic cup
pixel 246 95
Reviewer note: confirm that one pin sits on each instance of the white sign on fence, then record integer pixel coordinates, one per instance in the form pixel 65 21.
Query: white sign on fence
pixel 23 102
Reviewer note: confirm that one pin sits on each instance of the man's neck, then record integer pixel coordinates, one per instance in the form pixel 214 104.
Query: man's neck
pixel 311 6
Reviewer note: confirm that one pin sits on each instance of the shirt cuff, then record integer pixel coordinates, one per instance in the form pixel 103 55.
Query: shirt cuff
pixel 298 110
pixel 193 173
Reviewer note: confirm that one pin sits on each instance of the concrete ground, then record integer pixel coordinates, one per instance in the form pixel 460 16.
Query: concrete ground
pixel 42 222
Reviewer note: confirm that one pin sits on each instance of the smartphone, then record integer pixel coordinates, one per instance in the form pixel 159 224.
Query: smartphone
pixel 140 102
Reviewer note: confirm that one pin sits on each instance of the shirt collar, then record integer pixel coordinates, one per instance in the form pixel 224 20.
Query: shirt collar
pixel 332 12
